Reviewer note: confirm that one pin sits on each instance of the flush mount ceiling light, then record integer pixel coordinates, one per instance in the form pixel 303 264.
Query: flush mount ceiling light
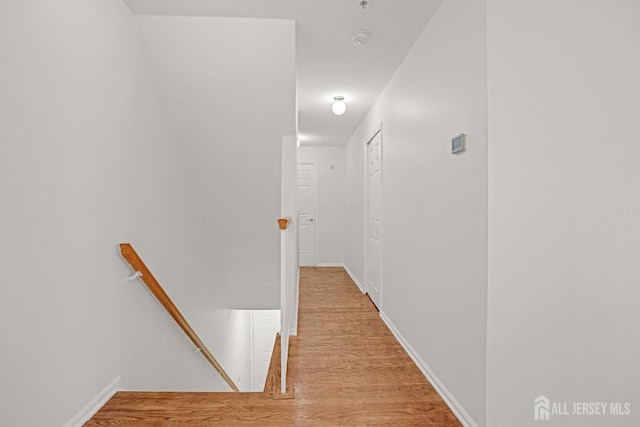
pixel 360 37
pixel 338 107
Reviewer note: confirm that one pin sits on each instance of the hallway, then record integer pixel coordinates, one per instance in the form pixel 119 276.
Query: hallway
pixel 345 365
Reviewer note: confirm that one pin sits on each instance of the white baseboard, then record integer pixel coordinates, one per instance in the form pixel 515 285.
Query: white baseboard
pixel 330 264
pixel 354 278
pixel 94 405
pixel 453 404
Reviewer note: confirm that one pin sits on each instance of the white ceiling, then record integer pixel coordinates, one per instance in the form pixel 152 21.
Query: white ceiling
pixel 328 63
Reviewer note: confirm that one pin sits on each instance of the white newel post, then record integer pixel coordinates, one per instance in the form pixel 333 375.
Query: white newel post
pixel 288 252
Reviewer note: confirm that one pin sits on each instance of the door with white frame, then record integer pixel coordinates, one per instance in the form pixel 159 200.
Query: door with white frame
pixel 264 326
pixel 306 199
pixel 373 245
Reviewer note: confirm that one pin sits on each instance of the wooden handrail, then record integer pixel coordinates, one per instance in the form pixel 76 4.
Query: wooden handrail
pixel 137 264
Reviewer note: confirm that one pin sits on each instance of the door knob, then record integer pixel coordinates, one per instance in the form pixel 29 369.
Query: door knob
pixel 310 219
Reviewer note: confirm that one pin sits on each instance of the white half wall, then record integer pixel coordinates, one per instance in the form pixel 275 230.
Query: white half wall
pixel 331 201
pixel 564 276
pixel 434 204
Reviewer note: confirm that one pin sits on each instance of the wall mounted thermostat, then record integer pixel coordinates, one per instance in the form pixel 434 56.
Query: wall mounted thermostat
pixel 458 143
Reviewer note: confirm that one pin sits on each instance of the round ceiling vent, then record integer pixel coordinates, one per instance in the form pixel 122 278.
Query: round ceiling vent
pixel 360 37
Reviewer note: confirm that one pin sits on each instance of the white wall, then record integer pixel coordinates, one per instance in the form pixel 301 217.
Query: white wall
pixel 354 200
pixel 83 166
pixel 227 107
pixel 434 203
pixel 564 206
pixel 228 85
pixel 331 201
pixel 89 157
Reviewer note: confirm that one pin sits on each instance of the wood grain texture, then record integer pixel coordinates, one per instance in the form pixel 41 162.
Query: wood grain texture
pixel 346 367
pixel 272 383
pixel 129 254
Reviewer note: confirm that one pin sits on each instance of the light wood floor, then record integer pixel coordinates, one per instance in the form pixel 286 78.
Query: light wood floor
pixel 347 369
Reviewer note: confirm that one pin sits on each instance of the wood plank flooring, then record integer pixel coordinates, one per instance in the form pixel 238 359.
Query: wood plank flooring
pixel 345 366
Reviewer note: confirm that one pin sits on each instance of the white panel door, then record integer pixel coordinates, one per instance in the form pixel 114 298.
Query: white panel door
pixel 374 220
pixel 265 324
pixel 306 205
